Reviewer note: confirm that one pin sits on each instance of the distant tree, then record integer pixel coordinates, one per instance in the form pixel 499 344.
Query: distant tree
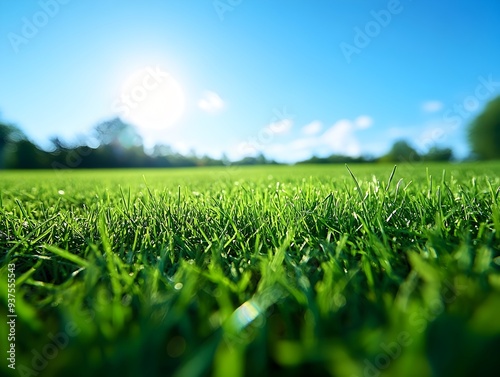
pixel 57 144
pixel 401 151
pixel 17 152
pixel 29 156
pixel 162 150
pixel 115 144
pixel 120 145
pixel 334 159
pixel 208 161
pixel 9 136
pixel 484 132
pixel 117 132
pixel 438 154
pixel 260 159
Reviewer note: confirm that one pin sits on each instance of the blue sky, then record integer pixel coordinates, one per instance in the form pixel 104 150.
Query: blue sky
pixel 286 78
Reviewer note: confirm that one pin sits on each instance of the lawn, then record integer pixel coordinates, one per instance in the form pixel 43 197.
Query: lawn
pixel 269 271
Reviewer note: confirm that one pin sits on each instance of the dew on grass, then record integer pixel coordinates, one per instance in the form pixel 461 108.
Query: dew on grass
pixel 178 286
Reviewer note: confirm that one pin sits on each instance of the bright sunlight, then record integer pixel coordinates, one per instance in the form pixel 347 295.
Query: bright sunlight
pixel 151 99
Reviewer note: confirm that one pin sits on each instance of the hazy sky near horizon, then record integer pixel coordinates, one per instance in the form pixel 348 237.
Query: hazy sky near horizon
pixel 290 79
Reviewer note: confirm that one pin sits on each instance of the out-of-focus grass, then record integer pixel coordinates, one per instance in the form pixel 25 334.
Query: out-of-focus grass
pixel 244 271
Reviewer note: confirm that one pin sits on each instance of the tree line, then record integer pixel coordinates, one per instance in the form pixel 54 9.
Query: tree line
pixel 119 145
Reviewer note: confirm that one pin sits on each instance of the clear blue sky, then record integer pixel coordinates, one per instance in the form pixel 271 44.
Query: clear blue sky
pixel 288 78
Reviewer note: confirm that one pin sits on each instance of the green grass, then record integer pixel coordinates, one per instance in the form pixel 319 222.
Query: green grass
pixel 254 271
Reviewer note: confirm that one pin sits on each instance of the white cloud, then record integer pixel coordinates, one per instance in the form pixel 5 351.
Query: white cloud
pixel 281 127
pixel 312 128
pixel 211 102
pixel 425 135
pixel 432 106
pixel 363 121
pixel 287 153
pixel 341 139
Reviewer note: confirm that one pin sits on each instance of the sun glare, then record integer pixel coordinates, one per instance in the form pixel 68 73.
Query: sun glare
pixel 151 99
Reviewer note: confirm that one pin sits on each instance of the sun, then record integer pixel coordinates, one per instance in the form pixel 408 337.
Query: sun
pixel 151 99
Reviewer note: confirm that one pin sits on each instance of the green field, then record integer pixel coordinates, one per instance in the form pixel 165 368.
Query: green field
pixel 268 271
